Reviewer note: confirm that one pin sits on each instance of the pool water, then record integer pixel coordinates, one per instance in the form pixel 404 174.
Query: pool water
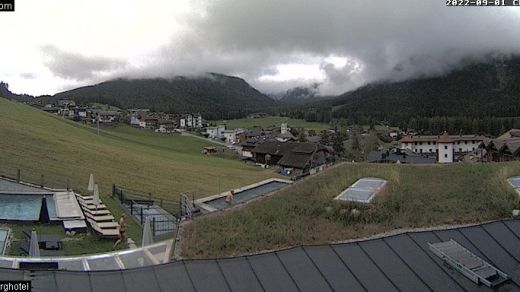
pixel 24 207
pixel 247 195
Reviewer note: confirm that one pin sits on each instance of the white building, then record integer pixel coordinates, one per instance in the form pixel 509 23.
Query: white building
pixel 216 132
pixel 135 119
pixel 191 121
pixel 82 113
pixel 284 128
pixel 394 134
pixel 232 136
pixel 445 147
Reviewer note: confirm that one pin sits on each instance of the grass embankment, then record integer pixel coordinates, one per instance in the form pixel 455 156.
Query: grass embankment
pixel 164 165
pixel 270 121
pixel 417 196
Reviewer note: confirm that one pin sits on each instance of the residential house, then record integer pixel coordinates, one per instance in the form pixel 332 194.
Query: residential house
pixel 232 136
pixel 166 126
pixel 209 150
pixel 252 133
pixel 66 112
pixel 80 113
pixel 144 120
pixel 66 103
pixel 104 117
pixel 247 147
pixel 306 158
pixel 135 119
pixel 299 159
pixel 505 147
pixel 270 152
pixel 216 132
pixel 149 122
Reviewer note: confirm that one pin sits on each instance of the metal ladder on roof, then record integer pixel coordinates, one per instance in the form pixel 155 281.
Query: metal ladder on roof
pixel 473 267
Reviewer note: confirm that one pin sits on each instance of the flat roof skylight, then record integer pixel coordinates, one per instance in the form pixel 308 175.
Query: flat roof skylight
pixel 363 191
pixel 515 183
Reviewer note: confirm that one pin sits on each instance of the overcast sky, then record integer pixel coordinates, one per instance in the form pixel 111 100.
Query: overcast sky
pixel 53 45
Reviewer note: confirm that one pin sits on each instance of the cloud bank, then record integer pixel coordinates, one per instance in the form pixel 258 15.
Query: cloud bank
pixel 276 45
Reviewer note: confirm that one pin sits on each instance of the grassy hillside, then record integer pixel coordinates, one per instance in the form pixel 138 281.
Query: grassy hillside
pixel 214 95
pixel 162 164
pixel 269 121
pixel 417 196
pixel 165 165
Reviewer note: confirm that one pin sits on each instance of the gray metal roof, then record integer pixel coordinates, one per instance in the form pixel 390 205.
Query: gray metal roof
pixel 394 263
pixel 12 187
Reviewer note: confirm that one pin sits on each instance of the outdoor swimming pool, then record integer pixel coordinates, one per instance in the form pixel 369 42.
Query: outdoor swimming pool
pixel 244 194
pixel 24 207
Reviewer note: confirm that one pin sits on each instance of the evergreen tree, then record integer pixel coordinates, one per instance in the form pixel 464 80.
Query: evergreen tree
pixel 337 144
pixel 355 142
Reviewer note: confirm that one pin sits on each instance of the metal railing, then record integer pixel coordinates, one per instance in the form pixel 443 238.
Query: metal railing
pixel 141 206
pixel 40 180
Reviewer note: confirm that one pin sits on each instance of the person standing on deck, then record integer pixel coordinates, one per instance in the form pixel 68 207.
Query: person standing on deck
pixel 122 230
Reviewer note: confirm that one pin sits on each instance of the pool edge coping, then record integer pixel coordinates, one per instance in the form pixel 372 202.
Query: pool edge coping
pixel 202 201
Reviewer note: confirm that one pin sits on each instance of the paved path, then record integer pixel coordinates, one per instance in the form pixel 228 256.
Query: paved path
pixel 205 139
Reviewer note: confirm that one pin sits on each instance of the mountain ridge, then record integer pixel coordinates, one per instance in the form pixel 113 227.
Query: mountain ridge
pixel 216 96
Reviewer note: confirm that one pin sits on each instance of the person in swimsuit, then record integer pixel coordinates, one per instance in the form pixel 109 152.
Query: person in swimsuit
pixel 229 197
pixel 122 230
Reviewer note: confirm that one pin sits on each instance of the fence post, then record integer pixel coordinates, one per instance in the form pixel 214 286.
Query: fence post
pixel 41 181
pixel 113 190
pixel 18 175
pixel 132 207
pixel 153 226
pixel 141 216
pixel 121 196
